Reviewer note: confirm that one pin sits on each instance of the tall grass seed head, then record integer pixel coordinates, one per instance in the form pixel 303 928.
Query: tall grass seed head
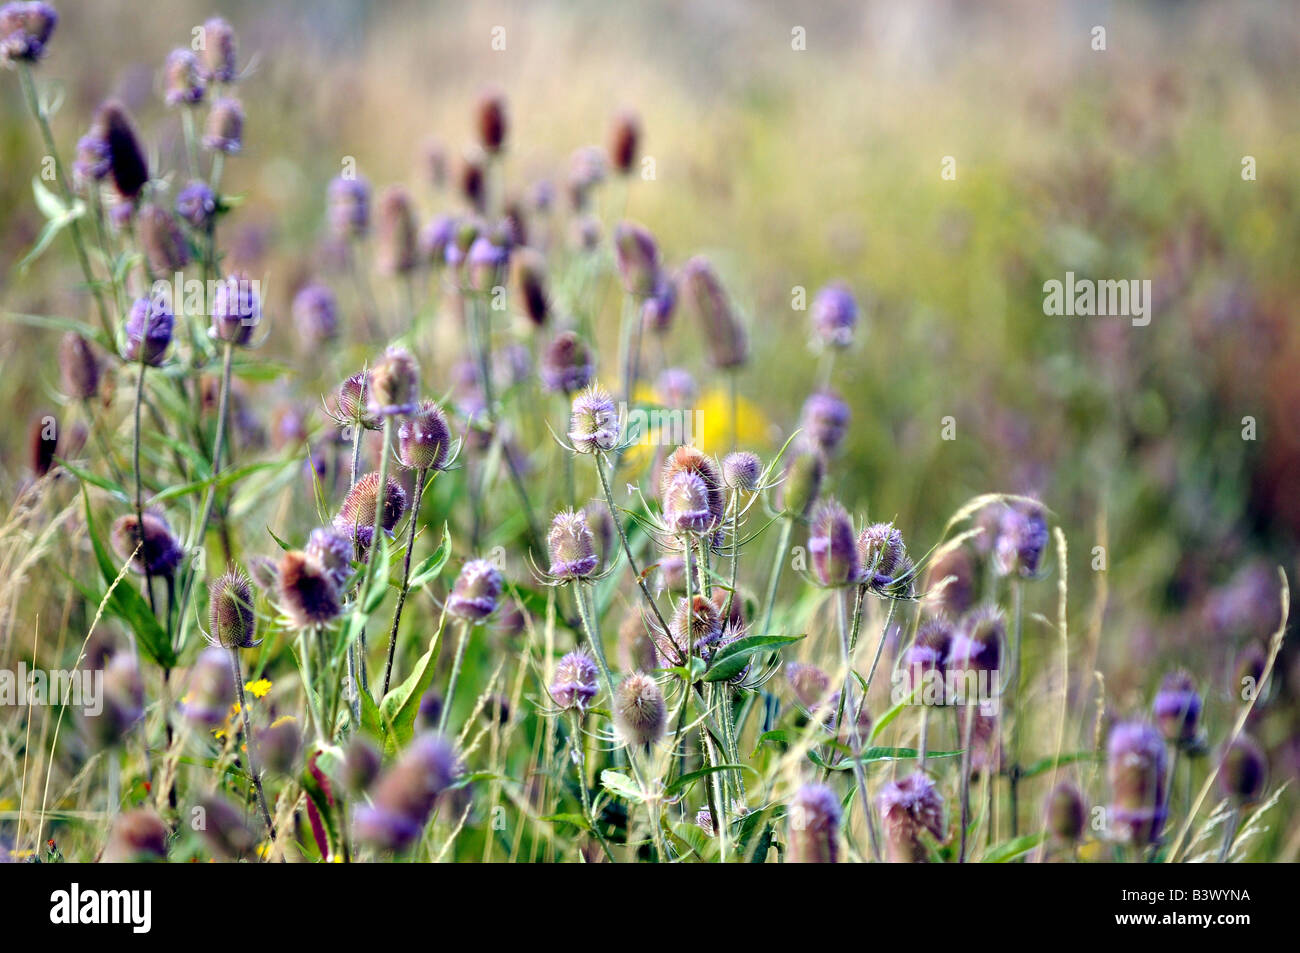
pixel 908 807
pixel 1136 768
pixel 78 367
pixel 307 591
pixel 567 365
pixel 161 239
pixel 394 385
pixel 224 129
pixel 236 310
pixel 182 82
pixel 220 52
pixel 159 551
pixel 572 547
pixel 832 546
pixel 25 31
pixel 424 438
pixel 815 815
pixel 593 421
pixel 835 315
pixel 640 713
pixel 477 591
pixel 233 622
pixel 575 682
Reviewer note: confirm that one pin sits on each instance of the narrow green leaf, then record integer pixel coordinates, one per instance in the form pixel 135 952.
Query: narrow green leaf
pixel 1011 849
pixel 731 660
pixel 621 785
pixel 686 780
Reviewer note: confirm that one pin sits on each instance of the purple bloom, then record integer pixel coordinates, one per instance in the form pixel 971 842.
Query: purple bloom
pixel 908 807
pixel 316 314
pixel 572 548
pixel 677 388
pixel 333 550
pixel 211 689
pixel 349 206
pixel 94 160
pixel 405 796
pixel 477 591
pixel 236 310
pixel 815 817
pixel 835 314
pixel 658 308
pixel 832 547
pixel 1177 708
pixel 825 420
pixel 686 504
pixel 219 51
pixel 436 237
pixel 574 684
pixel 224 131
pixel 741 470
pixel 1136 769
pixel 486 263
pixel 1022 539
pixel 184 85
pixel 155 551
pixel 25 31
pixel 1243 773
pixel 594 423
pixel 637 254
pixel 566 365
pixel 424 438
pixel 148 332
pixel 197 205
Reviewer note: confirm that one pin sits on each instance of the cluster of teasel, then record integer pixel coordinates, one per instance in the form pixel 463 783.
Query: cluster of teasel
pixel 665 712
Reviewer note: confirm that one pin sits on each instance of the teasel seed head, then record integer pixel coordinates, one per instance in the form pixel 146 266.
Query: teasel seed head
pixel 353 401
pixel 835 315
pixel 907 808
pixel 236 309
pixel 277 745
pixel 197 205
pixel 113 127
pixel 211 691
pixel 362 763
pixel 405 795
pixel 814 826
pixel 1066 813
pixel 724 335
pixel 394 387
pixel 928 654
pixel 530 277
pixel 1136 767
pixel 78 367
pixel 566 365
pixel 233 621
pixel 881 554
pixel 333 550
pixel 956 597
pixel 471 179
pixel 690 459
pixel 493 122
pixel 696 625
pixel 572 548
pixel 741 471
pixel 349 206
pixel 123 701
pixel 1022 539
pixel 574 684
pixel 25 31
pixel 316 315
pixel 831 545
pixel 424 438
pixel 159 552
pixel 220 51
pixel 357 514
pixel 161 239
pixel 1244 771
pixel 224 830
pixel 825 420
pixel 396 234
pixel 308 593
pixel 137 836
pixel 657 309
pixel 676 388
pixel 184 85
pixel 802 482
pixel 224 130
pixel 640 713
pixel 477 591
pixel 624 141
pixel 686 505
pixel 94 161
pixel 978 641
pixel 636 649
pixel 637 254
pixel 486 262
pixel 1177 709
pixel 435 238
pixel 593 422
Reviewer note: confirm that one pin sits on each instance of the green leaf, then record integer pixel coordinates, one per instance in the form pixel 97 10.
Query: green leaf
pixel 223 479
pixel 890 715
pixel 686 780
pixel 621 785
pixel 432 565
pixel 777 736
pixel 1046 764
pixel 58 217
pixel 878 754
pixel 399 707
pixel 574 820
pixel 116 490
pixel 731 660
pixel 1011 849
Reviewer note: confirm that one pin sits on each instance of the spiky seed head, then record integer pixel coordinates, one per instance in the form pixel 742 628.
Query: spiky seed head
pixel 224 830
pixel 742 470
pixel 308 593
pixel 802 482
pixel 881 552
pixel 696 625
pixel 724 334
pixel 196 204
pixel 233 622
pixel 572 547
pixel 126 157
pixel 424 438
pixel 211 691
pixel 25 31
pixel 1244 771
pixel 1022 539
pixel 1066 813
pixel 574 684
pixel 183 85
pixel 567 366
pixel 691 459
pixel 220 51
pixel 349 206
pixel 593 422
pixel 236 309
pixel 78 367
pixel 493 122
pixel 637 255
pixel 686 504
pixel 825 420
pixel 624 141
pixel 404 797
pixel 137 836
pixel 353 401
pixel 1136 768
pixel 396 233
pixel 657 309
pixel 333 549
pixel 835 315
pixel 907 808
pixel 358 510
pixel 831 545
pixel 161 239
pixel 640 713
pixel 1177 708
pixel 394 387
pixel 477 591
pixel 224 130
pixel 978 641
pixel 814 826
pixel 315 315
pixel 159 552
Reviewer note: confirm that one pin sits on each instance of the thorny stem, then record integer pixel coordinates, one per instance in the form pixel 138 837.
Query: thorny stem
pixel 406 577
pixel 304 649
pixel 579 763
pixel 253 770
pixel 859 771
pixel 783 543
pixel 139 487
pixel 627 547
pixel 223 409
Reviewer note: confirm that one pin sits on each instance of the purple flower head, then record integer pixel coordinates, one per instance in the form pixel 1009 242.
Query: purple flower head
pixel 881 554
pixel 25 31
pixel 357 514
pixel 977 643
pixel 927 655
pixel 951 582
pixel 587 169
pixel 574 684
pixel 686 504
pixel 161 239
pixel 394 387
pixel 693 460
pixel 424 438
pixel 158 554
pixel 435 239
pixel 572 548
pixel 181 79
pixel 1243 773
pixel 695 628
pixel 1136 769
pixel 831 545
pixel 332 549
pixel 224 131
pixel 637 254
pixel 566 365
pixel 492 121
pixel 236 309
pixel 94 161
pixel 1066 813
pixel 197 205
pixel 113 126
pixel 349 206
pixel 530 276
pixel 230 604
pixel 624 141
pixel 220 51
pixel 78 367
pixel 835 315
pixel 814 826
pixel 677 388
pixel 137 836
pixel 396 233
pixel 742 470
pixel 825 420
pixel 594 423
pixel 486 263
pixel 308 593
pixel 404 797
pixel 723 333
pixel 1022 539
pixel 123 700
pixel 353 400
pixel 658 308
pixel 908 807
pixel 811 686
pixel 211 689
pixel 316 315
pixel 640 713
pixel 477 591
pixel 1177 708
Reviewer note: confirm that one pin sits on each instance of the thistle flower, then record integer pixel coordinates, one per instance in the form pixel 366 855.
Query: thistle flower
pixel 640 714
pixel 882 554
pixel 316 315
pixel 1243 773
pixel 1066 813
pixel 231 608
pixel 220 51
pixel 161 239
pixel 349 206
pixel 956 596
pixel 435 238
pixel 814 826
pixel 486 263
pixel 724 335
pixel 574 684
pixel 223 828
pixel 477 591
pixel 211 690
pixel 1177 708
pixel 908 807
pixel 396 235
pixel 566 365
pixel 25 31
pixel 236 310
pixel 1136 770
pixel 624 141
pixel 224 131
pixel 353 400
pixel 530 276
pixel 308 593
pixel 741 471
pixel 594 423
pixel 424 438
pixel 835 315
pixel 357 514
pixel 825 420
pixel 810 685
pixel 197 205
pixel 277 745
pixel 123 702
pixel 637 256
pixel 832 547
pixel 78 367
pixel 689 459
pixel 159 552
pixel 573 551
pixel 113 126
pixel 137 836
pixel 404 797
pixel 394 387
pixel 181 79
pixel 1022 540
pixel 676 387
pixel 802 483
pixel 492 121
pixel 927 658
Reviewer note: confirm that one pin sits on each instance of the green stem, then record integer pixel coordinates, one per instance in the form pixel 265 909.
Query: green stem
pixel 627 547
pixel 249 744
pixel 455 675
pixel 859 771
pixel 406 577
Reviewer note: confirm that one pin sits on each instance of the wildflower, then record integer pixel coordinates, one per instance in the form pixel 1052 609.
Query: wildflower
pixel 357 514
pixel 832 547
pixel 123 701
pixel 236 310
pixel 424 438
pixel 658 308
pixel 161 239
pixel 223 828
pixel 25 31
pixel 724 335
pixel 908 807
pixel 741 471
pixel 94 161
pixel 977 644
pixel 676 387
pixel 1022 540
pixel 825 420
pixel 232 619
pixel 353 403
pixel 835 315
pixel 881 554
pixel 530 275
pixel 624 141
pixel 688 459
pixel 404 797
pixel 184 85
pixel 396 235
pixel 572 549
pixel 696 626
pixel 492 122
pixel 686 504
pixel 594 423
pixel 1177 708
pixel 802 483
pixel 477 591
pixel 587 169
pixel 126 158
pixel 927 659
pixel 137 836
pixel 435 238
pixel 224 131
pixel 78 367
pixel 308 593
pixel 394 385
pixel 259 688
pixel 574 684
pixel 197 205
pixel 640 713
pixel 211 689
pixel 814 826
pixel 704 821
pixel 159 552
pixel 349 206
pixel 316 315
pixel 637 254
pixel 1136 769
pixel 220 51
pixel 470 178
pixel 566 365
pixel 1243 772
pixel 1066 813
